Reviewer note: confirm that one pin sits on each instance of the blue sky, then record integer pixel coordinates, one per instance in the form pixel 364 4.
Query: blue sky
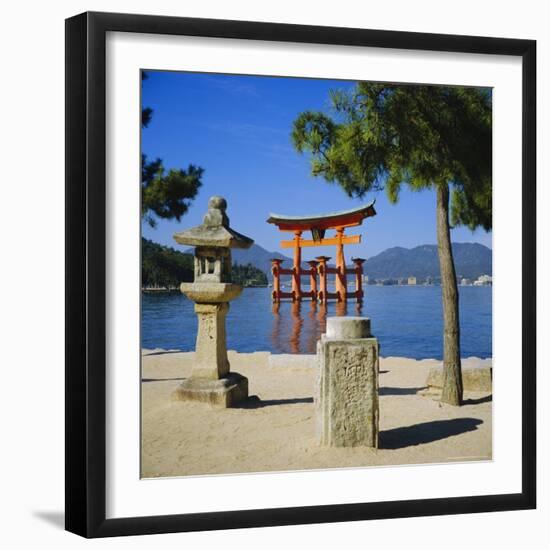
pixel 238 129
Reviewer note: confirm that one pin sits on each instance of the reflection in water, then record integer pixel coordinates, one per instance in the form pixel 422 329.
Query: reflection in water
pixel 297 323
pixel 312 315
pixel 408 321
pixel 322 322
pixel 291 332
pixel 341 309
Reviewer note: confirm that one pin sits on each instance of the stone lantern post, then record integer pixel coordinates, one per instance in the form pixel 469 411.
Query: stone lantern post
pixel 211 380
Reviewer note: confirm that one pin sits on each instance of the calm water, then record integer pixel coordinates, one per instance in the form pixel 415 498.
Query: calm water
pixel 406 320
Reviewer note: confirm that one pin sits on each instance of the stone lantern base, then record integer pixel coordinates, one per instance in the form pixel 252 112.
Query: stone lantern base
pixel 223 392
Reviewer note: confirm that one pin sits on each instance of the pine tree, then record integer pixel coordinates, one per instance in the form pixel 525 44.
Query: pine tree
pixel 380 136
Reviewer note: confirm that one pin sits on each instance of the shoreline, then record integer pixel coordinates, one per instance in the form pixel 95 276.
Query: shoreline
pixel 158 351
pixel 275 429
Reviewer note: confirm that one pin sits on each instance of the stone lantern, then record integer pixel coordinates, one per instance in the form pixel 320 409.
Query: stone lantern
pixel 211 380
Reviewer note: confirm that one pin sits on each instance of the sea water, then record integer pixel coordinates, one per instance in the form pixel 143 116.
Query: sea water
pixel 407 320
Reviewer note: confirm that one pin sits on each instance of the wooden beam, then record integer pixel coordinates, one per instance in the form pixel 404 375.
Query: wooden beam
pixel 327 221
pixel 321 225
pixel 347 239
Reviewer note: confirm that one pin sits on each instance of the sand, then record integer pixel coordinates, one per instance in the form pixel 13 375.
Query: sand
pixel 275 429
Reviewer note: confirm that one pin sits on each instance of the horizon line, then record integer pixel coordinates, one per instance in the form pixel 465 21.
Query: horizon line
pixel 389 248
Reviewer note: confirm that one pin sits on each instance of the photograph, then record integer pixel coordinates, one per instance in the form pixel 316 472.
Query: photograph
pixel 316 274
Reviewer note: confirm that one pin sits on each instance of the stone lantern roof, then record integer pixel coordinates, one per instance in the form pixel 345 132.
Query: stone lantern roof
pixel 214 230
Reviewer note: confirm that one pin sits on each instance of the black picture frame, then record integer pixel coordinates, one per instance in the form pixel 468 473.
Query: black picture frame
pixel 86 279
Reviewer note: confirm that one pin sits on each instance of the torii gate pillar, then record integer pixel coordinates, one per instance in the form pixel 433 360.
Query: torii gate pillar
pixel 296 275
pixel 341 279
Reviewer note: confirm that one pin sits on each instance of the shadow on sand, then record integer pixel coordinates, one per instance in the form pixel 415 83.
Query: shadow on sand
pixel 399 391
pixel 161 352
pixel 478 401
pixel 254 402
pixel 426 432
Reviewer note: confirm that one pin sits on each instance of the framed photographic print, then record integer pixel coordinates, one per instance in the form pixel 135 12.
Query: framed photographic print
pixel 300 274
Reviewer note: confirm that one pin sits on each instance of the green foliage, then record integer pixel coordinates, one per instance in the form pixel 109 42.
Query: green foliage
pixel 248 275
pixel 165 194
pixel 146 116
pixel 164 267
pixel 383 136
pixel 169 194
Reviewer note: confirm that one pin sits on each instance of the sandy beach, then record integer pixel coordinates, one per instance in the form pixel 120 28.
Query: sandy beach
pixel 275 429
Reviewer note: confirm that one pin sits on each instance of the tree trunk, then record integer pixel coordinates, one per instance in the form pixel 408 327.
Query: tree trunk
pixel 452 372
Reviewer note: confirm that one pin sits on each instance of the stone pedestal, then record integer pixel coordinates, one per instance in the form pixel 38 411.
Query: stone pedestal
pixel 211 382
pixel 347 390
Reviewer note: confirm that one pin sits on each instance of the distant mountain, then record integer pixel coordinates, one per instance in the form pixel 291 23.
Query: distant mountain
pixel 471 261
pixel 259 257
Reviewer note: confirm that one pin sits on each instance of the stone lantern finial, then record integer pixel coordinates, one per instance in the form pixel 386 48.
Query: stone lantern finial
pixel 216 216
pixel 214 230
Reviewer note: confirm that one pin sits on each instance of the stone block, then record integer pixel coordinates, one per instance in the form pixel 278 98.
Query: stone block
pixel 348 328
pixel 475 377
pixel 347 386
pixel 224 392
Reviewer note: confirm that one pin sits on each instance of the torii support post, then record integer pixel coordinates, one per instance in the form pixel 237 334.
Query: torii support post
pixel 358 277
pixel 322 270
pixel 313 279
pixel 276 271
pixel 341 279
pixel 296 268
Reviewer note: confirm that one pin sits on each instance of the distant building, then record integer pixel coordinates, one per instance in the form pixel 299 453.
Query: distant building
pixel 483 280
pixel 411 280
pixel 366 279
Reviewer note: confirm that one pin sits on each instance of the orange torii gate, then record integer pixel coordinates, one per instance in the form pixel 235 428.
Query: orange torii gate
pixel 318 225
